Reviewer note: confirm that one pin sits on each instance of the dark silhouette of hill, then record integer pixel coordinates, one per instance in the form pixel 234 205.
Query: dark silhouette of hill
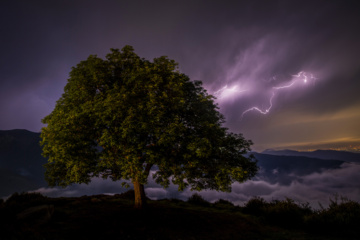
pixel 321 154
pixel 285 169
pixel 21 163
pixel 11 182
pixel 33 216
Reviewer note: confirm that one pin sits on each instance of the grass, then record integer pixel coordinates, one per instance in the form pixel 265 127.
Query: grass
pixel 101 216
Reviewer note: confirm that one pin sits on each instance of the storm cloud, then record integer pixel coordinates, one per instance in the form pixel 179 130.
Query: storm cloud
pixel 246 45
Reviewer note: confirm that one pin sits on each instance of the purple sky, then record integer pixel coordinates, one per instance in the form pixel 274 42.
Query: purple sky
pixel 252 47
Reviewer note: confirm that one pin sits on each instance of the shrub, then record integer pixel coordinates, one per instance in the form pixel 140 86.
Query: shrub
pixel 255 206
pixel 342 216
pixel 197 199
pixel 221 203
pixel 175 200
pixel 287 213
pixel 25 197
pixel 130 195
pixel 25 200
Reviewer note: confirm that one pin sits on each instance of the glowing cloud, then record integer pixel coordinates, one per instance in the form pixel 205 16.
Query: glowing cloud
pixel 296 81
pixel 301 77
pixel 226 92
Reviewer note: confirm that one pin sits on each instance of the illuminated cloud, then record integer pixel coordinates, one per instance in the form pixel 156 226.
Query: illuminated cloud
pixel 314 187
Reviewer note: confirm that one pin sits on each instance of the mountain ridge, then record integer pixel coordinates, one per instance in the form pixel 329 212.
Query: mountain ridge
pixel 320 154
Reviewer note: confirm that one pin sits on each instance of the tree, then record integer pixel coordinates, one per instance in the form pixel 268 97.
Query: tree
pixel 119 117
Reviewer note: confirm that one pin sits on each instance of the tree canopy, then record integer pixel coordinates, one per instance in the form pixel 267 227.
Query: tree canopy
pixel 120 116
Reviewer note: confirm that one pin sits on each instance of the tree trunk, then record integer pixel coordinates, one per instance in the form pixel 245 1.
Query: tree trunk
pixel 140 197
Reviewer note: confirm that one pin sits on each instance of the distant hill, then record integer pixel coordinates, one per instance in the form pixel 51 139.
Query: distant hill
pixel 11 182
pixel 320 154
pixel 21 163
pixel 285 169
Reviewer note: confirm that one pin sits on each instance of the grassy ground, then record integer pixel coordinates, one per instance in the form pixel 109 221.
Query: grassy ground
pixel 104 217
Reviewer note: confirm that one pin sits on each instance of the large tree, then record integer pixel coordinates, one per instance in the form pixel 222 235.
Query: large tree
pixel 120 116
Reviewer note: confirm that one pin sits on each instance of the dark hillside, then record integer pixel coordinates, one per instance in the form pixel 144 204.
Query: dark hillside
pixel 20 161
pixel 11 182
pixel 32 216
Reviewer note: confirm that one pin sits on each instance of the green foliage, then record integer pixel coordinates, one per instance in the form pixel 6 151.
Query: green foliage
pixel 197 199
pixel 122 115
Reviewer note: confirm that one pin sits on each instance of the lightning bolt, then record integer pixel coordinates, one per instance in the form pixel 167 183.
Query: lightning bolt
pixel 266 111
pixel 301 76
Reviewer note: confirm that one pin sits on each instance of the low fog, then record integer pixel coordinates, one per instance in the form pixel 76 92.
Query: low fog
pixel 315 188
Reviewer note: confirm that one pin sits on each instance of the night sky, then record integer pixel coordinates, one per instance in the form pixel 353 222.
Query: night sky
pixel 297 59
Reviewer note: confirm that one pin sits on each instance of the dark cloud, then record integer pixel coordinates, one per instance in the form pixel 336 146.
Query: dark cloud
pixel 234 43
